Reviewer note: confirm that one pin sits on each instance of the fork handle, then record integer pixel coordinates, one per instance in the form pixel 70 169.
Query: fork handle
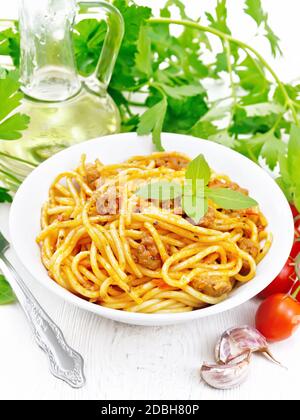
pixel 65 363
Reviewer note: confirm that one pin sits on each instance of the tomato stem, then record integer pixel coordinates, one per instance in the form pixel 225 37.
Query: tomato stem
pixel 297 270
pixel 297 266
pixel 296 293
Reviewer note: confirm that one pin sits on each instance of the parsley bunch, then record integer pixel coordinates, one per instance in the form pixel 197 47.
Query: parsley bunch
pixel 162 82
pixel 11 125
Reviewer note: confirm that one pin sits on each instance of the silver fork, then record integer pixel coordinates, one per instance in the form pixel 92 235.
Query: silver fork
pixel 65 363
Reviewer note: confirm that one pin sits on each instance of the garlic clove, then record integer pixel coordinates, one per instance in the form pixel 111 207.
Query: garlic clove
pixel 236 341
pixel 227 376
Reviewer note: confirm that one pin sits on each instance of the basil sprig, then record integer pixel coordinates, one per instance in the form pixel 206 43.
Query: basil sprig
pixel 195 192
pixel 160 191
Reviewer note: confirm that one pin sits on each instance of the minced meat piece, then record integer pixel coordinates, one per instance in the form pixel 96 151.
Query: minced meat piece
pixel 147 254
pixel 215 286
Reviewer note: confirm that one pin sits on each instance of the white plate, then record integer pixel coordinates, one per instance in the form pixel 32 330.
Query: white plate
pixel 26 210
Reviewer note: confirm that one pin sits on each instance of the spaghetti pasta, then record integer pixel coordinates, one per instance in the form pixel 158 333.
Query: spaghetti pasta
pixel 105 244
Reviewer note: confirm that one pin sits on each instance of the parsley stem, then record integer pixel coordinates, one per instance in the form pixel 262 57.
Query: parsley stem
pixel 241 44
pixel 9 21
pixel 297 270
pixel 230 71
pixel 296 293
pixel 138 104
pixel 10 176
pixel 18 160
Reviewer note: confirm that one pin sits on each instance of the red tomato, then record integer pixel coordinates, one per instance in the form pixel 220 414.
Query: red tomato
pixel 296 249
pixel 297 226
pixel 283 282
pixel 278 317
pixel 296 216
pixel 295 288
pixel 294 210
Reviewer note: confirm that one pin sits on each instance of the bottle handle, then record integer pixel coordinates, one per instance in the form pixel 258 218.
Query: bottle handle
pixel 100 79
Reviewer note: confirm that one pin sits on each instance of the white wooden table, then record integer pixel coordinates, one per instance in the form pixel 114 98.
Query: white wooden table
pixel 125 362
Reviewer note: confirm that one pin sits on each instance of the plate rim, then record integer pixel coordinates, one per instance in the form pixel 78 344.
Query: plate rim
pixel 129 317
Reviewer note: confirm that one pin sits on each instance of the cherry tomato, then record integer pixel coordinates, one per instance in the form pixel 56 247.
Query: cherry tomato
pixel 294 289
pixel 294 210
pixel 297 226
pixel 283 282
pixel 296 249
pixel 278 317
pixel 296 216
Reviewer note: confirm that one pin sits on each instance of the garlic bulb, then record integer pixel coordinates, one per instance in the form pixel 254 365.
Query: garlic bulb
pixel 227 376
pixel 238 341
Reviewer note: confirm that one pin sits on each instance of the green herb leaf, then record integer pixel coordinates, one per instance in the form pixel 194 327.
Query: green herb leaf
pixel 286 189
pixel 294 155
pixel 160 191
pixel 183 114
pixel 284 168
pixel 180 92
pixel 204 129
pixel 5 196
pixel 143 57
pixel 198 169
pixel 195 207
pixel 252 76
pixel 88 37
pixel 255 10
pixel 152 121
pixel 180 5
pixel 126 76
pixel 272 149
pixel 244 124
pixel 12 127
pixel 10 96
pixel 10 99
pixel 263 109
pixel 292 91
pixel 224 138
pixel 6 294
pixel 3 73
pixel 274 41
pixel 228 199
pixel 221 62
pixel 220 21
pixel 10 44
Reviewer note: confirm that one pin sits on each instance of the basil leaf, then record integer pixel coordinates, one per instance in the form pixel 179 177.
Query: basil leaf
pixel 294 155
pixel 198 169
pixel 230 200
pixel 6 294
pixel 160 191
pixel 195 207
